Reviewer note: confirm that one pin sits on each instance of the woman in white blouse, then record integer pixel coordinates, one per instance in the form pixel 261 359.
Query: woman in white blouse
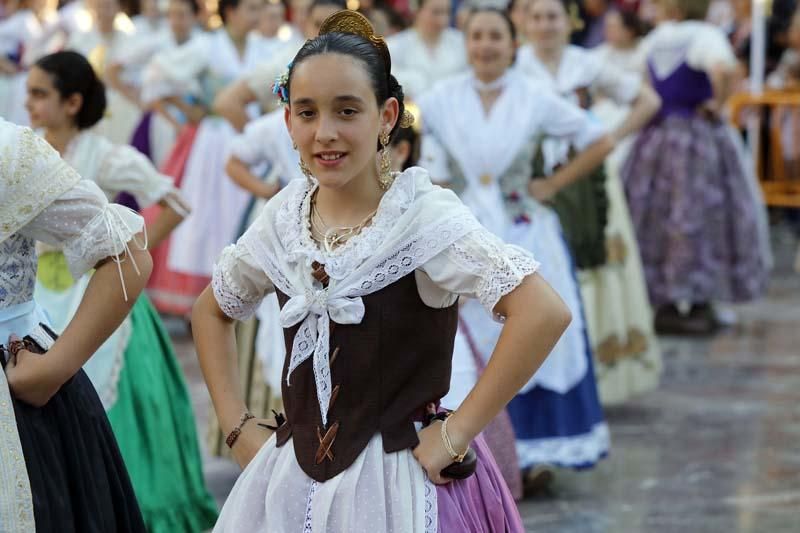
pixel 429 51
pixel 135 372
pixel 618 314
pixel 481 133
pixel 60 467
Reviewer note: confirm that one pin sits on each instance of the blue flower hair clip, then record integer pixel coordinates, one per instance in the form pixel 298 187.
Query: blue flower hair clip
pixel 280 87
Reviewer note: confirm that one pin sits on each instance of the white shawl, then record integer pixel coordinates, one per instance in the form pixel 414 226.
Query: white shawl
pixel 415 222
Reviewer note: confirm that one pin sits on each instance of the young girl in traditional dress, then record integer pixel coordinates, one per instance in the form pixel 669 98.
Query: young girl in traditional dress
pixel 265 147
pixel 60 468
pixel 135 372
pixel 690 196
pixel 368 266
pixel 482 132
pixel 618 314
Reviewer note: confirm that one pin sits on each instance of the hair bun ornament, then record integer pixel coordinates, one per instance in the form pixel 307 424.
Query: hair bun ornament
pixel 407 120
pixel 353 22
pixel 280 87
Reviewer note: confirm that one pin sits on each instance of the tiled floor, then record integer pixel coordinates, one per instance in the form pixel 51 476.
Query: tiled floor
pixel 715 449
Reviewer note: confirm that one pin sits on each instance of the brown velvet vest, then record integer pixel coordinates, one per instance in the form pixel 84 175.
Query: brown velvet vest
pixel 383 373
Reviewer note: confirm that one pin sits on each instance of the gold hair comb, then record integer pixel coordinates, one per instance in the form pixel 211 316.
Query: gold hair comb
pixel 353 22
pixel 347 21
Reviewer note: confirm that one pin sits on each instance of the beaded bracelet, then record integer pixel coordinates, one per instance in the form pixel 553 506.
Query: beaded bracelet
pixel 448 445
pixel 233 435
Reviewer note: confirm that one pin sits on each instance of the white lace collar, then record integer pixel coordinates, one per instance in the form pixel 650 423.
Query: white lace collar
pixel 294 225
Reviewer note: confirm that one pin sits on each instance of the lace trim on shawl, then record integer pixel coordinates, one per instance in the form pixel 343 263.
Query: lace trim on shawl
pixel 309 516
pixel 312 336
pixel 355 264
pixel 293 222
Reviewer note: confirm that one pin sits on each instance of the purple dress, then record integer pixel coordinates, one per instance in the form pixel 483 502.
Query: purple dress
pixel 694 217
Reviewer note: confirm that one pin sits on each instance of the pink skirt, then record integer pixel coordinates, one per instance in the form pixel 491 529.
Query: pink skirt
pixel 173 292
pixel 480 503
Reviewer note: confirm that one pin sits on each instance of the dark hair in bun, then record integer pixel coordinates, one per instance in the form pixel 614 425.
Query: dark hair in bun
pixel 72 74
pixel 223 6
pixel 376 61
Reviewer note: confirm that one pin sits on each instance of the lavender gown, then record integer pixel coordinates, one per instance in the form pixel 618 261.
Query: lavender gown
pixel 691 201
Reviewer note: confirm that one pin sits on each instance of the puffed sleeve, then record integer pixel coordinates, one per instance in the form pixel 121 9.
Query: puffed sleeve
pixel 251 146
pixel 238 283
pixel 562 119
pixel 127 170
pixel 710 47
pixel 481 266
pixel 88 229
pixel 176 71
pixel 616 84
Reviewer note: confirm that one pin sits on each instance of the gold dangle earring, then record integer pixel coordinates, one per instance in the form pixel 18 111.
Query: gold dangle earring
pixel 303 167
pixel 385 177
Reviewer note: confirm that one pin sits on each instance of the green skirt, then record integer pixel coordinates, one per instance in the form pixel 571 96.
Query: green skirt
pixel 154 424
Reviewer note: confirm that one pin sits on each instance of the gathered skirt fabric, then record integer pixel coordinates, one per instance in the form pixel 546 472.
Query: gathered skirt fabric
pixel 566 430
pixel 619 318
pixel 137 376
pixel 378 493
pixel 154 423
pixel 218 203
pixel 171 291
pixel 78 478
pixel 694 213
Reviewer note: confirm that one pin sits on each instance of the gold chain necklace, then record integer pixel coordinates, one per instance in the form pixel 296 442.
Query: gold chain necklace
pixel 333 237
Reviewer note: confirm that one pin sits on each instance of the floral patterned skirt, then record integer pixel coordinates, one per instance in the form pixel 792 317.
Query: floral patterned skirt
pixel 694 213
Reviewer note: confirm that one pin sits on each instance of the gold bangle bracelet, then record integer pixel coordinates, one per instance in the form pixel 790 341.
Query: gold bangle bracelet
pixel 448 445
